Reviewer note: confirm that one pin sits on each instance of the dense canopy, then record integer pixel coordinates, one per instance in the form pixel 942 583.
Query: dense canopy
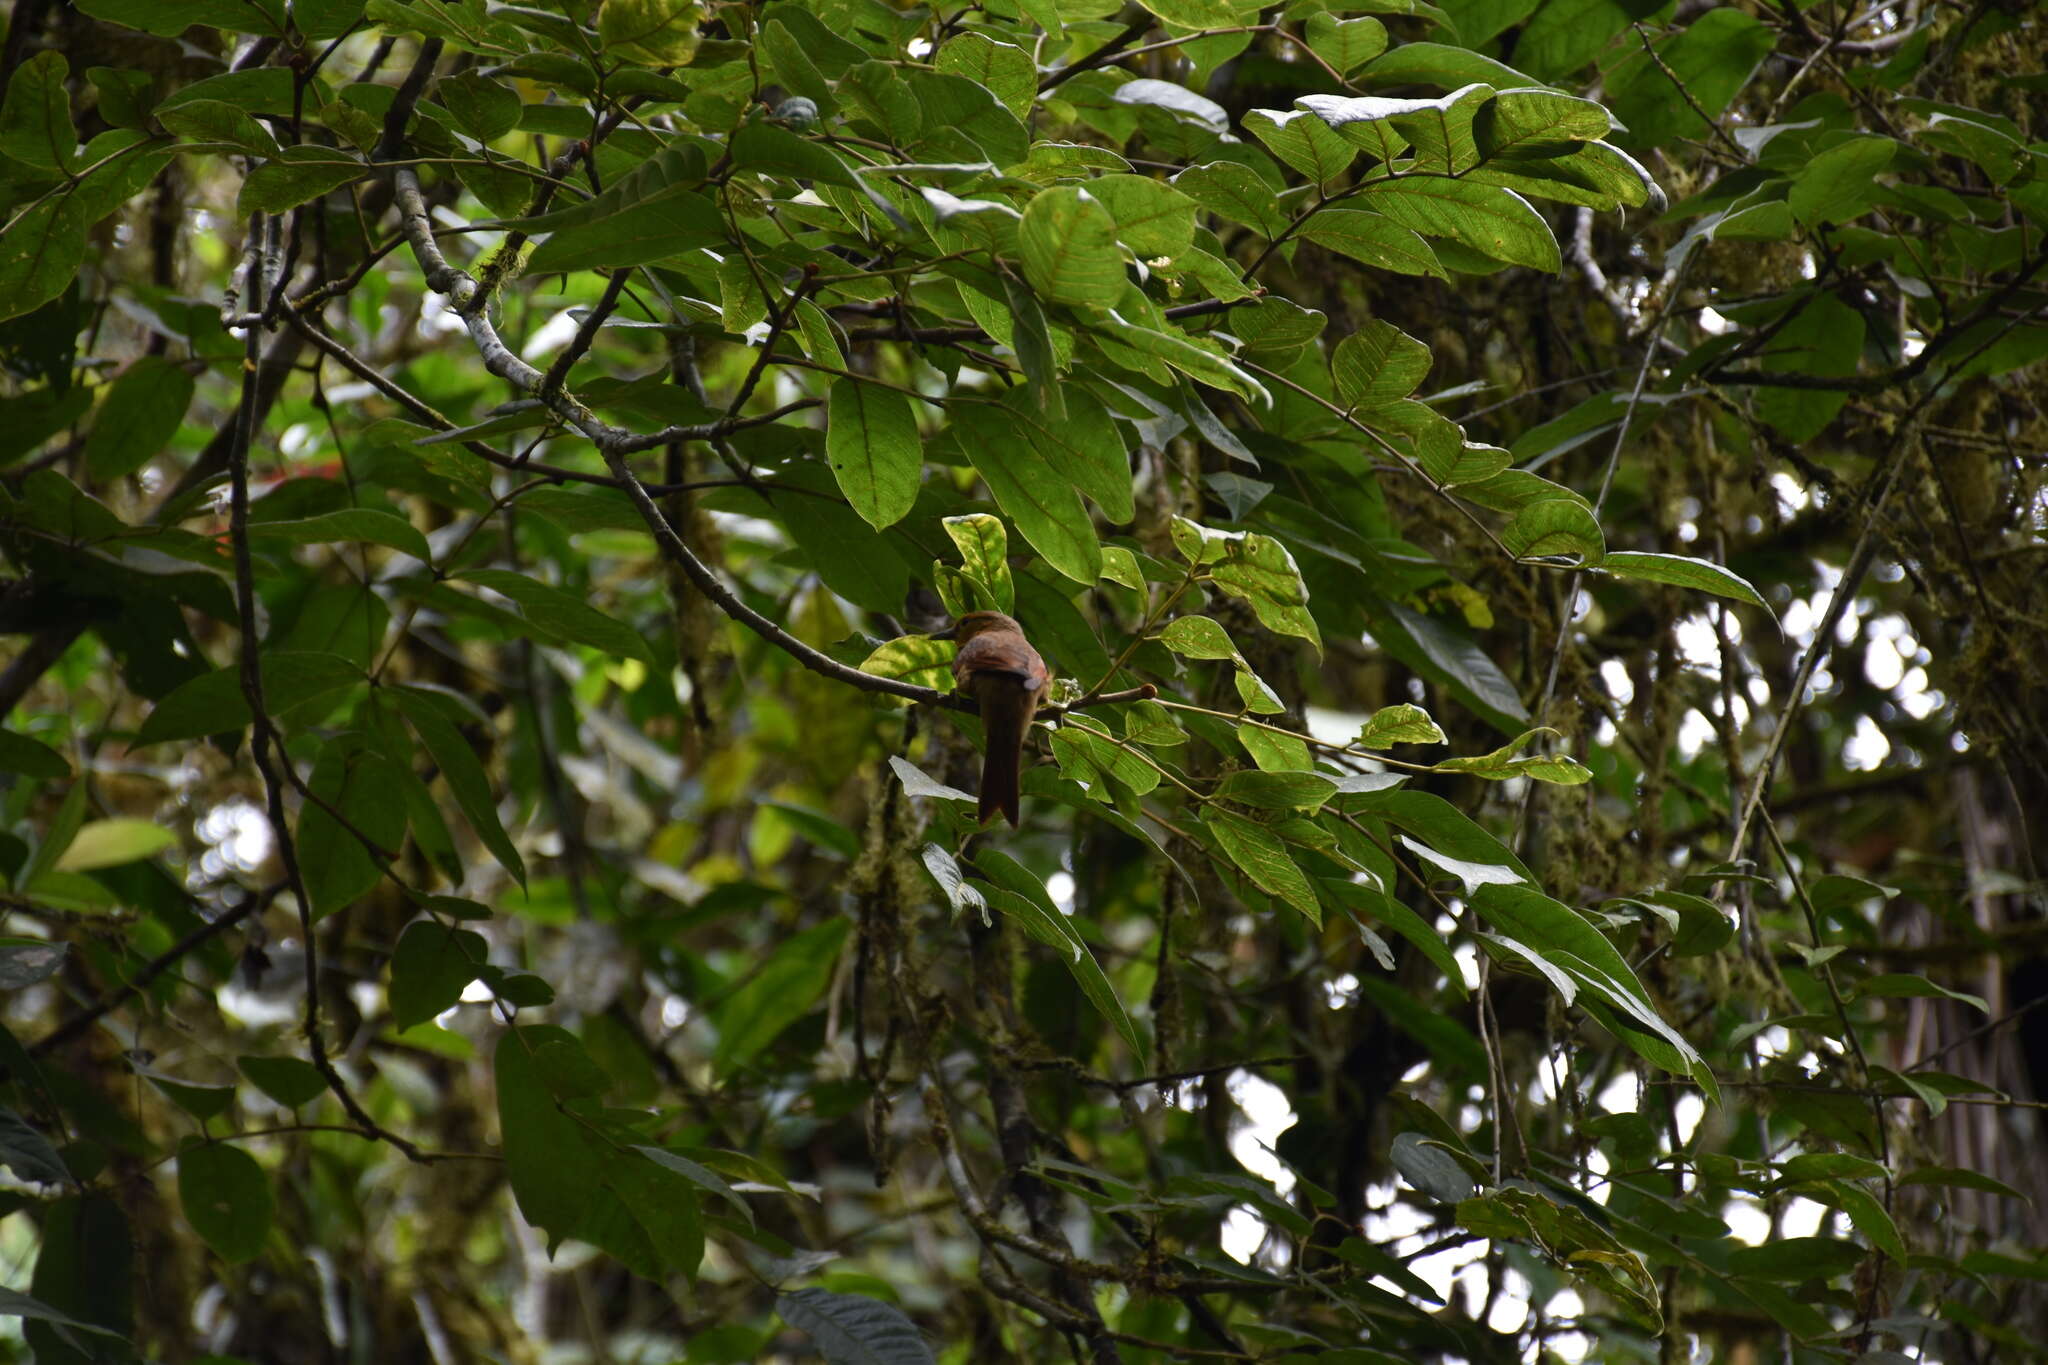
pixel 1536 512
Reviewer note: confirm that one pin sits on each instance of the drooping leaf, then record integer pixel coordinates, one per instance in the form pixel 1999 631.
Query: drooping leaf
pixel 226 1197
pixel 851 1329
pixel 872 443
pixel 1070 253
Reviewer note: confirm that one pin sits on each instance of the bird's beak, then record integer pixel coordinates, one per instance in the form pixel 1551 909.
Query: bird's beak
pixel 949 631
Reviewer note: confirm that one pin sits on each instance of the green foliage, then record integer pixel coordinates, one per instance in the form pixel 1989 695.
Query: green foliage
pixel 473 473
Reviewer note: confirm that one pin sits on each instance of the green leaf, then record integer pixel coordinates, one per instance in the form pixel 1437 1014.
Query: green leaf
pixel 1795 1259
pixel 1197 637
pixel 1441 65
pixel 1121 566
pixel 669 220
pixel 1431 1167
pixel 1044 507
pixel 1870 1218
pixel 35 120
pixel 357 781
pixel 1260 570
pixel 1085 748
pixel 780 993
pixel 558 614
pixel 678 169
pixel 1252 690
pixel 1900 984
pixel 1575 1241
pixel 430 968
pixel 850 1329
pixel 1841 183
pixel 1255 694
pixel 1198 544
pixel 1304 791
pixel 296 175
pixel 28 1153
pixel 1376 240
pixel 1502 764
pixel 1377 365
pixel 872 443
pixel 1563 35
pixel 1302 140
pixel 1233 190
pixel 1494 222
pixel 1825 339
pixel 1962 1179
pixel 1681 571
pixel 202 1102
pixel 821 830
pixel 30 757
pixel 1401 723
pixel 1598 175
pixel 1538 124
pixel 111 843
pixel 1709 62
pixel 1276 327
pixel 40 253
pixel 1183 353
pixel 1439 131
pixel 1004 68
pixel 795 70
pixel 1821 1166
pixel 700 1176
pixel 1273 750
pixel 855 561
pixel 260 90
pixel 290 1081
pixel 984 555
pixel 1346 44
pixel 485 109
pixel 551 1165
pixel 220 121
pixel 1263 858
pixel 364 525
pixel 1258 1194
pixel 125 97
pixel 138 417
pixel 1152 217
pixel 1356 899
pixel 1995 153
pixel 920 659
pixel 15 1304
pixel 1567 939
pixel 1051 928
pixel 1083 447
pixel 771 150
pixel 84 1281
pixel 651 32
pixel 57 835
pixel 1071 256
pixel 961 108
pixel 226 1198
pixel 212 703
pixel 1559 527
pixel 428 714
pixel 1031 339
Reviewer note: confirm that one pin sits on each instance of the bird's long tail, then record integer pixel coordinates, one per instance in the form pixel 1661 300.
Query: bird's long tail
pixel 1000 776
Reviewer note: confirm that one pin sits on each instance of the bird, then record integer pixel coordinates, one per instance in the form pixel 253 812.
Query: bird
pixel 996 665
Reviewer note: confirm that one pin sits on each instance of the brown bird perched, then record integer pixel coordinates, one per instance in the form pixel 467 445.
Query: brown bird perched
pixel 997 667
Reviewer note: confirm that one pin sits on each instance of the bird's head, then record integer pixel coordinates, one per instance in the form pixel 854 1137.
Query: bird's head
pixel 975 623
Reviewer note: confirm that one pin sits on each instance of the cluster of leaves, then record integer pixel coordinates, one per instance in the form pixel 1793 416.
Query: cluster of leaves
pixel 1114 319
